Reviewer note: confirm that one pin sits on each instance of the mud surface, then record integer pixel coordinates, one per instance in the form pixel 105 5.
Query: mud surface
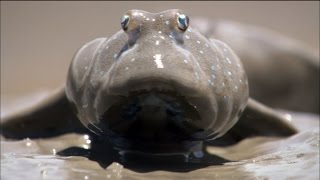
pixel 296 157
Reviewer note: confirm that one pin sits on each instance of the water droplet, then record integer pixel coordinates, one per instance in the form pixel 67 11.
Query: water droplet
pixel 228 60
pixel 88 141
pixel 288 117
pixel 86 136
pixel 54 151
pixel 28 143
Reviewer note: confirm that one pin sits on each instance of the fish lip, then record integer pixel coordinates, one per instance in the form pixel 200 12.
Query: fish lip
pixel 114 123
pixel 173 93
pixel 178 88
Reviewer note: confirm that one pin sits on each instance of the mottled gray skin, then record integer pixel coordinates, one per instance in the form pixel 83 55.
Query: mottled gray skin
pixel 161 65
pixel 207 72
pixel 282 73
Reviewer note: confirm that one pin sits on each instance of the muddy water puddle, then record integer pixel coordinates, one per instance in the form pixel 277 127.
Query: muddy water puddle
pixel 296 157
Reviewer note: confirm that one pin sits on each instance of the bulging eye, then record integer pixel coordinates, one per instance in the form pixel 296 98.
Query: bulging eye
pixel 183 22
pixel 125 22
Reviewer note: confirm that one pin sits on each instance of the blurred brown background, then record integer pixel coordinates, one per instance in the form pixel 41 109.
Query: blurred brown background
pixel 38 39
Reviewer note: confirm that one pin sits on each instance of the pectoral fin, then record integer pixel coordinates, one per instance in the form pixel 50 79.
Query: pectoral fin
pixel 260 120
pixel 51 116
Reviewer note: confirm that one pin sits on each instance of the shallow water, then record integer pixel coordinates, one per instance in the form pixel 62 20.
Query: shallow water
pixel 296 157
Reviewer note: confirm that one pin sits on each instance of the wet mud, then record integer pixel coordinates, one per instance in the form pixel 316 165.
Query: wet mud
pixel 74 156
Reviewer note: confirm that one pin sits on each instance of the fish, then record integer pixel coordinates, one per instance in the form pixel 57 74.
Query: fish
pixel 157 86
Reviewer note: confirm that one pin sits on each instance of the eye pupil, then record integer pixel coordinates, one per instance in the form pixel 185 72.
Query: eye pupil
pixel 183 22
pixel 125 22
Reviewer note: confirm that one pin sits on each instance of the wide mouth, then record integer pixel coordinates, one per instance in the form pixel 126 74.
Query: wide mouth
pixel 152 116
